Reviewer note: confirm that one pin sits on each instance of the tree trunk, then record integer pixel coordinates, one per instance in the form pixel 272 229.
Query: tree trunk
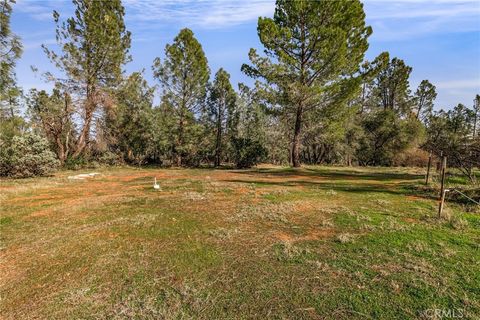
pixel 296 137
pixel 420 105
pixel 64 148
pixel 475 120
pixel 218 145
pixel 84 135
pixel 179 160
pixel 60 150
pixel 179 141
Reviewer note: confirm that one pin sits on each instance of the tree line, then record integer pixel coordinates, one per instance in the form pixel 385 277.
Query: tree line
pixel 315 100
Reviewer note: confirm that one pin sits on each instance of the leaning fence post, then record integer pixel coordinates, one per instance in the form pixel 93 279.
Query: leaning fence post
pixel 442 187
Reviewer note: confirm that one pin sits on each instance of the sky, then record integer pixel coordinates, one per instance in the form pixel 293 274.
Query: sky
pixel 440 39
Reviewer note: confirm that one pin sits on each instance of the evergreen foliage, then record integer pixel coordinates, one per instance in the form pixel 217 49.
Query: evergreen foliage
pixel 183 76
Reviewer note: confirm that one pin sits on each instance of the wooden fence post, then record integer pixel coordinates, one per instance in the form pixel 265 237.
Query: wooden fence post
pixel 428 168
pixel 442 187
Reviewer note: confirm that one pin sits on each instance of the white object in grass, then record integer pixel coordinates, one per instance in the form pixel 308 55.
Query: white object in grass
pixel 156 186
pixel 84 176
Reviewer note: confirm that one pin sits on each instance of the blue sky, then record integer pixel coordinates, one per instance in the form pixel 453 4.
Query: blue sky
pixel 439 39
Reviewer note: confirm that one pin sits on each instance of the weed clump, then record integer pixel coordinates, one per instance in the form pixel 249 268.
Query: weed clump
pixel 272 212
pixel 195 196
pixel 288 252
pixel 327 223
pixel 382 202
pixel 419 247
pixel 331 192
pixel 391 224
pixel 458 223
pixel 345 238
pixel 222 233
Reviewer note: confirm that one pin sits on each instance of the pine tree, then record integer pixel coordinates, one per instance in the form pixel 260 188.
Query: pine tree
pixel 391 86
pixel 95 46
pixel 184 77
pixel 312 47
pixel 424 98
pixel 251 118
pixel 222 103
pixel 388 120
pixel 10 52
pixel 129 125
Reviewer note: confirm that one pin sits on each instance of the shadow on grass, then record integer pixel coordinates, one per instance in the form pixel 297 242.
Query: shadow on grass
pixel 356 188
pixel 334 174
pixel 343 180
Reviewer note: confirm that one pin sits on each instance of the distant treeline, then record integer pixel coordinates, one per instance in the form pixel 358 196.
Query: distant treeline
pixel 316 100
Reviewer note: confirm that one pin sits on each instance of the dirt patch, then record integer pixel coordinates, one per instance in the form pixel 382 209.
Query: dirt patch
pixel 34 201
pixel 409 220
pixel 414 198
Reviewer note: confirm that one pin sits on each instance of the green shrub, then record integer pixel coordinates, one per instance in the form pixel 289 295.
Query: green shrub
pixel 75 163
pixel 4 157
pixel 109 158
pixel 26 156
pixel 247 152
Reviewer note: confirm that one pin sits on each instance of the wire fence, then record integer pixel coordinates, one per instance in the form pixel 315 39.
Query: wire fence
pixel 463 194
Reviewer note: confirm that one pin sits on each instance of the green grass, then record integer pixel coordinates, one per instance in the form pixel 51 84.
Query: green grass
pixel 311 243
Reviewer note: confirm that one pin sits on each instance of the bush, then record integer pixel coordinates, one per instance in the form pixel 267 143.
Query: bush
pixel 413 157
pixel 75 163
pixel 109 158
pixel 4 158
pixel 247 152
pixel 26 156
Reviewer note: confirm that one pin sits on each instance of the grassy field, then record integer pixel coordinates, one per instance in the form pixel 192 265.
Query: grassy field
pixel 314 243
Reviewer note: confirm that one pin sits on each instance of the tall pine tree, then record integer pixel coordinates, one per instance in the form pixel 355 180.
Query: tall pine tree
pixel 222 102
pixel 312 47
pixel 424 98
pixel 184 77
pixel 129 126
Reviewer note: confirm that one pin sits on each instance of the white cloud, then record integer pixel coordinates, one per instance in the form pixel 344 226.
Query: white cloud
pixel 459 84
pixel 41 9
pixel 406 19
pixel 391 20
pixel 29 45
pixel 383 9
pixel 34 40
pixel 208 14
